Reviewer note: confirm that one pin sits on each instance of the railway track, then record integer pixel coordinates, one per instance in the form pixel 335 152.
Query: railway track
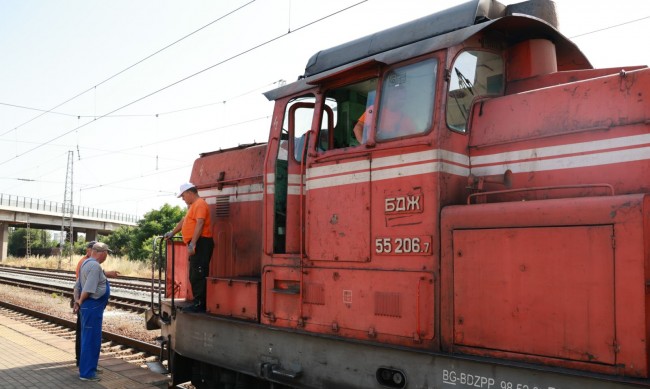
pixel 131 294
pixel 132 283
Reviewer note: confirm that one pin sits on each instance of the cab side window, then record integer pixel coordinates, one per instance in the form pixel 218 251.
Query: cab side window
pixel 298 120
pixel 474 73
pixel 407 98
pixel 347 105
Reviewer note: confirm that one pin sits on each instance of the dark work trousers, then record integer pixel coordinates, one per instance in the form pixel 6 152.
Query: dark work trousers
pixel 199 269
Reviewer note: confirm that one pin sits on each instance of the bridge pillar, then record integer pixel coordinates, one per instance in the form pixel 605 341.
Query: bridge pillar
pixel 91 235
pixel 4 240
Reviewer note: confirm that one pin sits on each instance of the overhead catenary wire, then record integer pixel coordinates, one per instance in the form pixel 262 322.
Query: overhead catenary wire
pixel 86 186
pixel 124 151
pixel 610 27
pixel 51 110
pixel 78 116
pixel 131 66
pixel 156 172
pixel 159 194
pixel 67 146
pixel 25 180
pixel 157 157
pixel 186 135
pixel 220 102
pixel 214 103
pixel 153 173
pixel 183 80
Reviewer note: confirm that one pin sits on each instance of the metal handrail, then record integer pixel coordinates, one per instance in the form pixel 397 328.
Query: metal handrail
pixel 172 282
pixel 156 261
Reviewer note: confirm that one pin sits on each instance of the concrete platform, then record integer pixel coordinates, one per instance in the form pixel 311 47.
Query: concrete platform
pixel 32 358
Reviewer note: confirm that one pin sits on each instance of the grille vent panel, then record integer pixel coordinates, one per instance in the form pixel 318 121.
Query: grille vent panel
pixel 223 206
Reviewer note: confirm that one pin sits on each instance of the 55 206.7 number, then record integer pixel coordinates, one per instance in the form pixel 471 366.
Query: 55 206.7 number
pixel 413 245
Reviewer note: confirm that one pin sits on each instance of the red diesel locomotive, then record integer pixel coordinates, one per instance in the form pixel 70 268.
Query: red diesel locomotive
pixel 459 201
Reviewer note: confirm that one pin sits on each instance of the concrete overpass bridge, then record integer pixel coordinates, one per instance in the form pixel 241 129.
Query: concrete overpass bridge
pixel 19 211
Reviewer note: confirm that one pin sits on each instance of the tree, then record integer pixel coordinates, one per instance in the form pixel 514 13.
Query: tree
pixel 155 223
pixel 119 241
pixel 39 241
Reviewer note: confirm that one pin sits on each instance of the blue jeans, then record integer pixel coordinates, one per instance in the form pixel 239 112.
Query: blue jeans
pixel 92 314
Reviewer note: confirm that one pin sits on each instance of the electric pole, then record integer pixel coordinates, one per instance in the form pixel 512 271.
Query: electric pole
pixel 67 211
pixel 28 242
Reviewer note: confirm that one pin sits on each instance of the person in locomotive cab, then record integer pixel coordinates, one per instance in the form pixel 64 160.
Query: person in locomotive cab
pixel 196 230
pixel 360 129
pixel 393 119
pixel 91 293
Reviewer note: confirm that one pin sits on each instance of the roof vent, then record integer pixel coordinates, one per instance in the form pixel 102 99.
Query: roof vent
pixel 542 9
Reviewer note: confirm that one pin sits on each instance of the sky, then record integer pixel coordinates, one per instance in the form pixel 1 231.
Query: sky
pixel 134 91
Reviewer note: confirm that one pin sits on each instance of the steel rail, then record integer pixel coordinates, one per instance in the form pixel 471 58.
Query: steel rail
pixel 64 275
pixel 139 306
